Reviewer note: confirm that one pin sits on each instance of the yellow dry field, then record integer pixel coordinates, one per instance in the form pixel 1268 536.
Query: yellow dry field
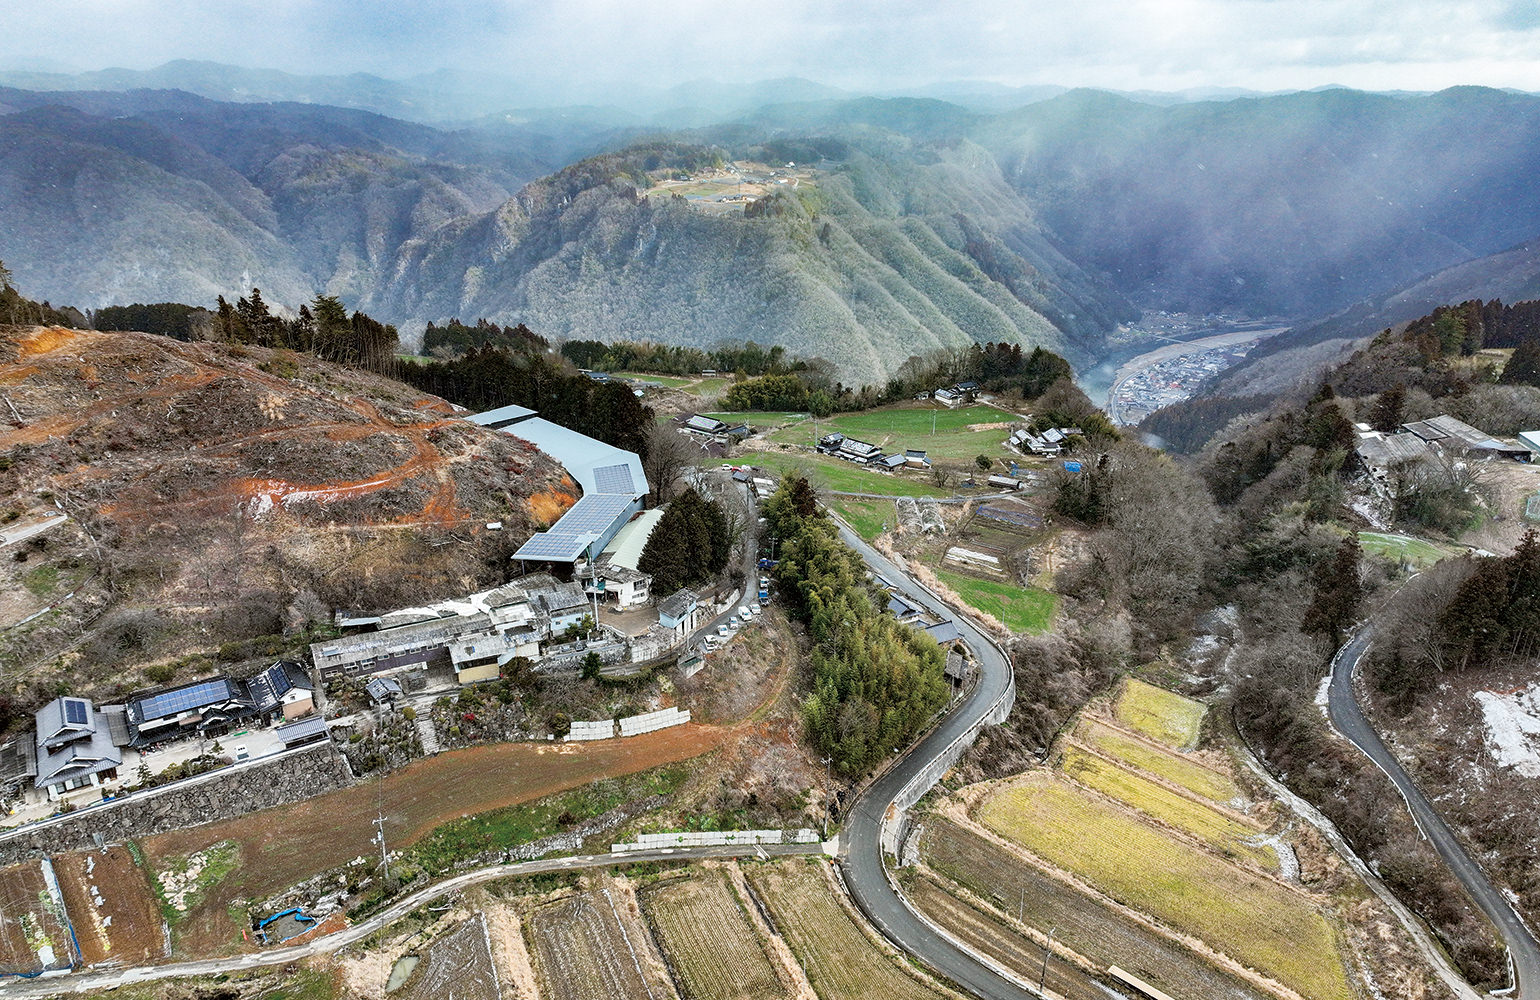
pixel 841 962
pixel 710 942
pixel 1178 769
pixel 1161 715
pixel 1223 833
pixel 1258 922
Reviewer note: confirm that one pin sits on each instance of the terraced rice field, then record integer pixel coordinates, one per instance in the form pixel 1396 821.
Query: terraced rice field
pixel 1178 769
pixel 712 946
pixel 34 932
pixel 1223 833
pixel 1259 922
pixel 1161 715
pixel 1012 887
pixel 583 951
pixel 841 962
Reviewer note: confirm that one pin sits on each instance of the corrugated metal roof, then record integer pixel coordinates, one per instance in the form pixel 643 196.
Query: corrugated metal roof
pixel 625 549
pixel 579 454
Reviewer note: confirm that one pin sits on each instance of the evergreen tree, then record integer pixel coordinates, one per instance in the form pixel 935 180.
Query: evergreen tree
pixel 690 543
pixel 1387 413
pixel 1523 368
pixel 1338 592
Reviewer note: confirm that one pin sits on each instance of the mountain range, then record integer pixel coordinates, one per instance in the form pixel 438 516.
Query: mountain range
pixel 914 222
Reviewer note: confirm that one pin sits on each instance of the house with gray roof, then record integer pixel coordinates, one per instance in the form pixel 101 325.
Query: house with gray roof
pixel 172 713
pixel 283 689
pixel 74 747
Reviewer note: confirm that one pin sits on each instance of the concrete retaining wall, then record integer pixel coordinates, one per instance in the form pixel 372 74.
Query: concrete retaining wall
pixel 650 722
pixel 715 838
pixel 581 732
pixel 221 795
pixel 897 819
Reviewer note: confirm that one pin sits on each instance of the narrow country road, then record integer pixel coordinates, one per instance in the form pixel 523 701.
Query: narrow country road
pixel 1349 719
pixel 79 983
pixel 861 852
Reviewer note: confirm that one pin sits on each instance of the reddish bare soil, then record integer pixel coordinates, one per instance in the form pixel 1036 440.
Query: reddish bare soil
pixel 127 925
pixel 285 846
pixel 26 921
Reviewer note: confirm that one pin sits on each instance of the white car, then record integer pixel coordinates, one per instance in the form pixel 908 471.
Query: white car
pixel 711 643
pixel 722 632
pixel 732 623
pixel 743 612
pixel 755 609
pixel 241 753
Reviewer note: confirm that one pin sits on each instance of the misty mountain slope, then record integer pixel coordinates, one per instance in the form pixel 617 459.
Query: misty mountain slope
pixel 157 196
pixel 1296 205
pixel 882 259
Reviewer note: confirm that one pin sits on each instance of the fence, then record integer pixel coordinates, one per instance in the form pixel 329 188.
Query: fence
pixel 631 725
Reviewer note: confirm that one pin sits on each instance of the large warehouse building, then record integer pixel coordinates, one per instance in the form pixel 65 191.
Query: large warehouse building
pixel 612 481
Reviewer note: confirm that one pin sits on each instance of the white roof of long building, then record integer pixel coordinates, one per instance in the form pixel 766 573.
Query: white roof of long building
pixel 625 549
pixel 597 467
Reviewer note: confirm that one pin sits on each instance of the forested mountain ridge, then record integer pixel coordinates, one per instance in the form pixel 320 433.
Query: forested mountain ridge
pixel 885 257
pixel 928 224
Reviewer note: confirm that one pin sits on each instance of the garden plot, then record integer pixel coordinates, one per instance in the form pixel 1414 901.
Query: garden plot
pixel 841 962
pixel 34 931
pixel 115 913
pixel 712 947
pixel 457 965
pixel 1006 883
pixel 1261 923
pixel 583 950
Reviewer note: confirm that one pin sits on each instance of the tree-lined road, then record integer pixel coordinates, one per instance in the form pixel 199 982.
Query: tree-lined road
pixel 1349 719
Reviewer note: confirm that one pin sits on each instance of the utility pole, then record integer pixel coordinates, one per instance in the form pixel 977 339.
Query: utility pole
pixel 379 822
pixel 1047 951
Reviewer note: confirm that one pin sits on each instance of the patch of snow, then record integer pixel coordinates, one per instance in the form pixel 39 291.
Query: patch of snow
pixel 1370 510
pixel 1513 728
pixel 1321 691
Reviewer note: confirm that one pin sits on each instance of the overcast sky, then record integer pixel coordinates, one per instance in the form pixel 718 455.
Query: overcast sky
pixel 867 44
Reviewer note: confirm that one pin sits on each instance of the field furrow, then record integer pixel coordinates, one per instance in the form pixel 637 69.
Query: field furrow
pixel 712 947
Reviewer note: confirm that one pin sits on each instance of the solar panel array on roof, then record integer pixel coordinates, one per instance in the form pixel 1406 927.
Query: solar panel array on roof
pixel 182 699
pixel 75 712
pixel 614 479
pixel 578 528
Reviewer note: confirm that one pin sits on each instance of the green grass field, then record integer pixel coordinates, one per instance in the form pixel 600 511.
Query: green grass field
pixel 672 381
pixel 867 517
pixel 1222 833
pixel 1022 609
pixel 1401 547
pixel 1161 715
pixel 832 474
pixel 1173 767
pixel 910 426
pixel 1245 915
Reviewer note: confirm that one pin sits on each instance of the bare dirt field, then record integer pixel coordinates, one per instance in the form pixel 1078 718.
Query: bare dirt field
pixel 282 847
pixel 114 910
pixel 457 965
pixel 34 933
pixel 713 949
pixel 841 961
pixel 584 951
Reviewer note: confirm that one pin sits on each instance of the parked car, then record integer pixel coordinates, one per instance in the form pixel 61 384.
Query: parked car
pixel 722 632
pixel 733 624
pixel 241 753
pixel 755 609
pixel 743 612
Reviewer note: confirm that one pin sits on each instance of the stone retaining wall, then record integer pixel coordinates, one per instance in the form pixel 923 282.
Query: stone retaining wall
pixel 222 795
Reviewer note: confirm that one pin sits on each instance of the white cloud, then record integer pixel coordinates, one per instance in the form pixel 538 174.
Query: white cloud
pixel 1156 44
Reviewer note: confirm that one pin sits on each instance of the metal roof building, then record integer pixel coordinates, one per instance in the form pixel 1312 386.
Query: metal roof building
pixel 612 480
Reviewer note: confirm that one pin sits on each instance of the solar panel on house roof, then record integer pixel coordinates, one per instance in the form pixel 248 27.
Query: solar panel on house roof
pixel 194 696
pixel 614 479
pixel 75 712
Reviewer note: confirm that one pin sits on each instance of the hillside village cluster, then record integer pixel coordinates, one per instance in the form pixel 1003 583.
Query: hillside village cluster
pixel 80 752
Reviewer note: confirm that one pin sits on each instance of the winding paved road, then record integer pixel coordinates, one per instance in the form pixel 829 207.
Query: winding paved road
pixel 861 839
pixel 1349 719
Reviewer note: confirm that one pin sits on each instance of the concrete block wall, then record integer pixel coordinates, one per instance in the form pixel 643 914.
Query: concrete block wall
pixel 715 838
pixel 581 732
pixel 649 722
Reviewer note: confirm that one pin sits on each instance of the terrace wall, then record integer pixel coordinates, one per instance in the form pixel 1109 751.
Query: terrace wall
pixel 220 795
